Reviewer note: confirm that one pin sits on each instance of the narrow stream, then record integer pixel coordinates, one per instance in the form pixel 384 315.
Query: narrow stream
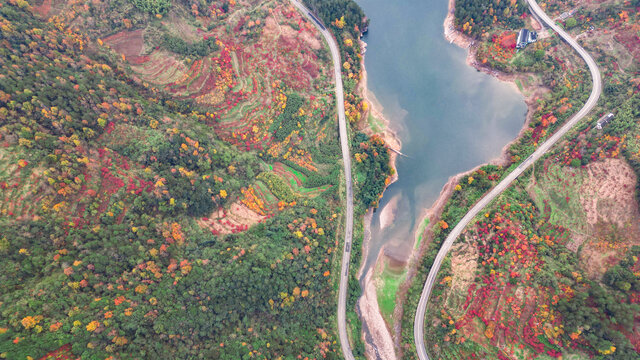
pixel 449 117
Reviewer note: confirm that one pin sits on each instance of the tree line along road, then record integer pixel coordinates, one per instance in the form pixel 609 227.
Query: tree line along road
pixel 346 158
pixel 418 324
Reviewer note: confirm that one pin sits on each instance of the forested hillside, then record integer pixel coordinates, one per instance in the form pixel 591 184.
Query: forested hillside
pixel 169 181
pixel 478 18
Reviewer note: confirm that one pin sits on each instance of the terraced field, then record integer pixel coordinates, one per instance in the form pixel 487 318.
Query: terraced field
pixel 260 55
pixel 20 186
pixel 244 82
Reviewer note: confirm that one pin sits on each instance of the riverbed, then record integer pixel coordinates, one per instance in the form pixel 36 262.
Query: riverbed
pixel 448 116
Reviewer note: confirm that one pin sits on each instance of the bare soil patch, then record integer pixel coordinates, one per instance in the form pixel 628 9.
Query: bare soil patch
pixel 464 262
pixel 608 193
pixel 43 8
pixel 608 198
pixel 128 43
pixel 223 222
pixel 178 25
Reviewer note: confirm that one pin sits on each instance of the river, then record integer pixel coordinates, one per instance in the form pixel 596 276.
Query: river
pixel 449 117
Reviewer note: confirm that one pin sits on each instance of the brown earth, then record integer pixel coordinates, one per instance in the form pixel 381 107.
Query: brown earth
pixel 223 222
pixel 43 8
pixel 609 43
pixel 608 199
pixel 179 25
pixel 608 194
pixel 286 32
pixel 464 261
pixel 127 43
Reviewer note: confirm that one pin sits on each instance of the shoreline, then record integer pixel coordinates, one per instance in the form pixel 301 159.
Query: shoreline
pixel 376 336
pixel 376 109
pixel 530 94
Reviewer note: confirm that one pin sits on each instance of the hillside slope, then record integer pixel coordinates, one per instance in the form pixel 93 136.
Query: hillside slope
pixel 162 197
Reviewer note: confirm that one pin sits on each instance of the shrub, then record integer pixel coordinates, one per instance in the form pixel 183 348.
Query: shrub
pixel 153 7
pixel 179 46
pixel 277 186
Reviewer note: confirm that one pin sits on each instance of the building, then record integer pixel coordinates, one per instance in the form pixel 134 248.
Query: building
pixel 523 36
pixel 526 37
pixel 604 121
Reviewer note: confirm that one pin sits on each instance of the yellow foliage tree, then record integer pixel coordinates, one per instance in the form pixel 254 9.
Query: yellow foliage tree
pixel 92 326
pixel 29 322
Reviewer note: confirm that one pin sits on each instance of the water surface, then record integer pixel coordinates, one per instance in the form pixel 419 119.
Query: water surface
pixel 449 117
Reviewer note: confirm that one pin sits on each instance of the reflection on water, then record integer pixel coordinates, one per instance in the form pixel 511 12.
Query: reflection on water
pixel 449 116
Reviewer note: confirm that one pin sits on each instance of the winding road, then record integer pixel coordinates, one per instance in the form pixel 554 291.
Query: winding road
pixel 346 158
pixel 418 324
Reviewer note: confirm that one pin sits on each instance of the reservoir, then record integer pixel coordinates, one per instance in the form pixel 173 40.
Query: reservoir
pixel 449 117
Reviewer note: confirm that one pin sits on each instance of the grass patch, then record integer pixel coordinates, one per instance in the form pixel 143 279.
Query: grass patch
pixel 390 280
pixel 421 228
pixel 518 84
pixel 560 187
pixel 375 124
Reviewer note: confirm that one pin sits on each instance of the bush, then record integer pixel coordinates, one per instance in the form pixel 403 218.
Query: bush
pixel 278 187
pixel 179 46
pixel 287 121
pixel 152 7
pixel 571 23
pixel 576 163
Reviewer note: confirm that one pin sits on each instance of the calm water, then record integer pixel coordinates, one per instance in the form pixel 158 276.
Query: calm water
pixel 448 116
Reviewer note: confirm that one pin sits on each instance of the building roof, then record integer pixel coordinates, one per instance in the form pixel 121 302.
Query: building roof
pixel 604 120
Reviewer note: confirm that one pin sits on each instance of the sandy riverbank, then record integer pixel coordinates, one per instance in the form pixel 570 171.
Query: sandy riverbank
pixel 377 337
pixel 378 341
pixel 530 94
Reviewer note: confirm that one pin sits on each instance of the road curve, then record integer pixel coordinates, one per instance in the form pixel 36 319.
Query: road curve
pixel 346 158
pixel 418 324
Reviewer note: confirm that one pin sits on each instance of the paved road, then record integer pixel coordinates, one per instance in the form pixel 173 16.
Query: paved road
pixel 418 324
pixel 346 158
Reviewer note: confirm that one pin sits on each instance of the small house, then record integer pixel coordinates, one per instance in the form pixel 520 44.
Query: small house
pixel 523 37
pixel 604 121
pixel 526 37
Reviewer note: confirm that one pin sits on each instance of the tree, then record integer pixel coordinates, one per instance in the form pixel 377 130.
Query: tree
pixel 538 54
